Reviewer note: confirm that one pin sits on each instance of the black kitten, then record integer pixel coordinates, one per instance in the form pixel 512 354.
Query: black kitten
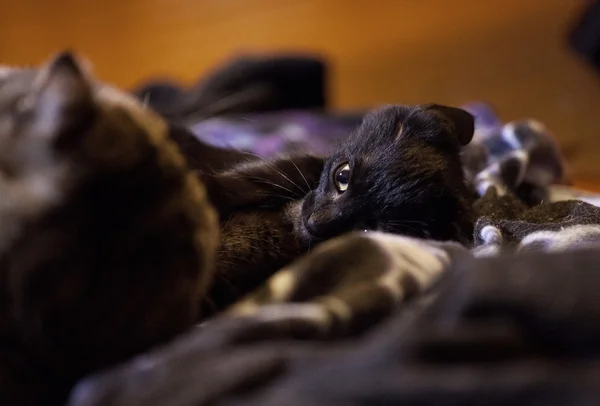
pixel 257 237
pixel 399 172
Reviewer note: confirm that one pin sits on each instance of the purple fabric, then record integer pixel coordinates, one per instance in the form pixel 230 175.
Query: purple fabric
pixel 275 133
pixel 269 134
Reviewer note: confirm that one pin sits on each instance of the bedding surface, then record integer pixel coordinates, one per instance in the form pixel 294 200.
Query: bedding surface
pixel 513 319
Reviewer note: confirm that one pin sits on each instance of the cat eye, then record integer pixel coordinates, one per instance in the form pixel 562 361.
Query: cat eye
pixel 341 177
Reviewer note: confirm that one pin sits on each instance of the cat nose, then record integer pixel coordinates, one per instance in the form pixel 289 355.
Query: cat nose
pixel 318 225
pixel 313 225
pixel 322 225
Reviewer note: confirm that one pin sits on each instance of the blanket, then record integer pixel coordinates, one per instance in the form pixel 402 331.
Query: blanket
pixel 512 319
pixel 372 318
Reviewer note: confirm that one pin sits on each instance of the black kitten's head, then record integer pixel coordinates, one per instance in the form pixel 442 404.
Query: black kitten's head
pixel 399 172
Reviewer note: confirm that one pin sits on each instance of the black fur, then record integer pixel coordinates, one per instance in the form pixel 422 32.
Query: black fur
pixel 255 201
pixel 250 83
pixel 405 177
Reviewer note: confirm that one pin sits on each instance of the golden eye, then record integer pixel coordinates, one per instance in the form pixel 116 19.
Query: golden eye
pixel 341 177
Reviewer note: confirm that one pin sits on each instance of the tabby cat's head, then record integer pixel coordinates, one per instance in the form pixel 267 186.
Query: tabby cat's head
pixel 59 128
pixel 399 172
pixel 56 124
pixel 58 109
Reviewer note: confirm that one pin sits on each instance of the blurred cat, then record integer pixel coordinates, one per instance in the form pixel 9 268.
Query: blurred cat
pixel 107 239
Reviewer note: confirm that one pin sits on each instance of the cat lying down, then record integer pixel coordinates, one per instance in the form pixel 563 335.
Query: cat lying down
pixel 399 172
pixel 110 241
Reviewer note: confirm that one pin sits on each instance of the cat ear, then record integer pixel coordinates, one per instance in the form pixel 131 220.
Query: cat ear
pixel 461 122
pixel 60 93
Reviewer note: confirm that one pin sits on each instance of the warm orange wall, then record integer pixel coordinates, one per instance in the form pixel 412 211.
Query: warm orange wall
pixel 511 52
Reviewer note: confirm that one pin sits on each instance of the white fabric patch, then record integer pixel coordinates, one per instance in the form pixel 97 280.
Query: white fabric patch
pixel 281 285
pixel 430 261
pixel 491 235
pixel 574 237
pixel 488 178
pixel 337 307
pixel 313 312
pixel 483 251
pixel 508 135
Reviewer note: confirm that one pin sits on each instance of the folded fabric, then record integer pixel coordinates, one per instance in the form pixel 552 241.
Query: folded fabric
pixel 521 329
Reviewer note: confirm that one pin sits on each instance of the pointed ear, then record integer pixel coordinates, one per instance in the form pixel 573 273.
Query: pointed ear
pixel 61 92
pixel 461 122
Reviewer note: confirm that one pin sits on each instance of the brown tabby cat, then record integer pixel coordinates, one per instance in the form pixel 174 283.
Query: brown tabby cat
pixel 90 185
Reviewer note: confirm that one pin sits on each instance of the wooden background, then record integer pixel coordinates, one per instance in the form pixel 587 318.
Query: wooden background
pixel 512 53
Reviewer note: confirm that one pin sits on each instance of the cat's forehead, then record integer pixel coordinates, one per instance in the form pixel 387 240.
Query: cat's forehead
pixel 17 81
pixel 382 120
pixel 388 122
pixel 379 130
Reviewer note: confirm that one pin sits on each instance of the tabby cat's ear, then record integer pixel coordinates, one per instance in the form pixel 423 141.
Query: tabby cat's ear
pixel 61 92
pixel 460 122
